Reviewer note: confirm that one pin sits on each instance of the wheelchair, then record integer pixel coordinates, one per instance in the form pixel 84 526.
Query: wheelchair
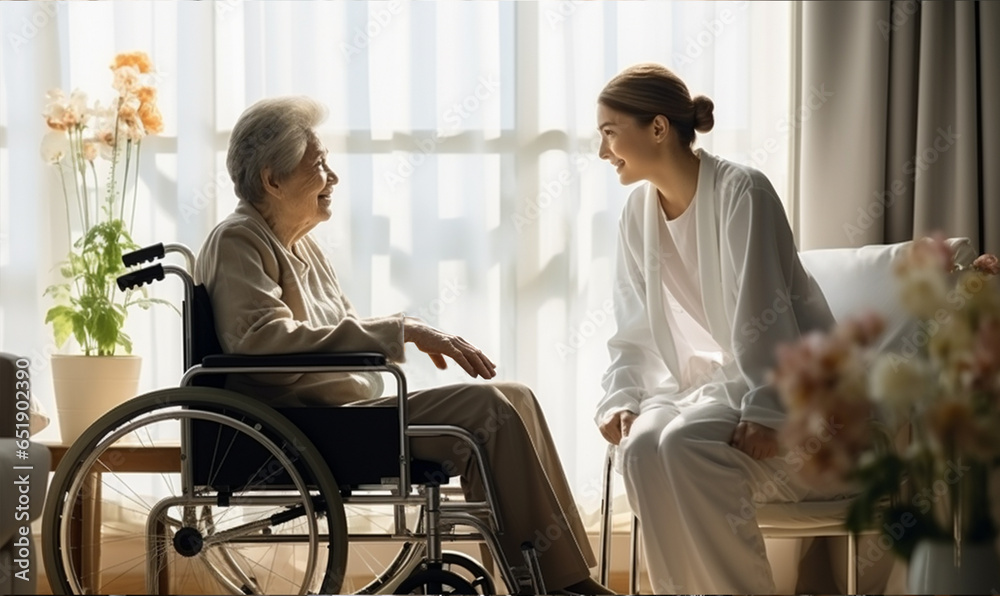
pixel 237 497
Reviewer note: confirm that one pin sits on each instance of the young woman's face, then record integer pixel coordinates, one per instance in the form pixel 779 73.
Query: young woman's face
pixel 629 146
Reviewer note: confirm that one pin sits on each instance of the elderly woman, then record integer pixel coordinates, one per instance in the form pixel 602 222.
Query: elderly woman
pixel 274 291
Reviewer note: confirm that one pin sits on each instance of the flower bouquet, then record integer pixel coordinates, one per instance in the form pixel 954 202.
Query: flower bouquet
pixel 99 216
pixel 916 431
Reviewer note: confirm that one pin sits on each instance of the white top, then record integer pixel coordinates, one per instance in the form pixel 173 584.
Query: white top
pixel 699 354
pixel 751 285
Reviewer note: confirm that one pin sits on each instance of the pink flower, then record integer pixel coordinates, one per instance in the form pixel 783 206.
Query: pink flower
pixel 863 329
pixel 987 263
pixel 986 356
pixel 930 252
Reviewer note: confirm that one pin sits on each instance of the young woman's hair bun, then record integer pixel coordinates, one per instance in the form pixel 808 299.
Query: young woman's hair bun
pixel 704 120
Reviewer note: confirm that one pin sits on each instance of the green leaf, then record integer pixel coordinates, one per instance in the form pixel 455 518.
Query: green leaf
pixel 89 305
pixel 80 331
pixel 59 292
pixel 908 526
pixel 125 342
pixel 61 318
pixel 147 303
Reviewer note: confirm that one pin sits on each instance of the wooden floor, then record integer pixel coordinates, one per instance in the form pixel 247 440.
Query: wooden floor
pixel 618 583
pixel 133 583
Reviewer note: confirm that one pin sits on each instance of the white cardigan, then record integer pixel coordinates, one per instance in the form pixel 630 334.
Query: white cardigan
pixel 743 234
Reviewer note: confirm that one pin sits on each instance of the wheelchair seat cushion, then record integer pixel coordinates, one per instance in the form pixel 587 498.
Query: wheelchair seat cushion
pixel 360 444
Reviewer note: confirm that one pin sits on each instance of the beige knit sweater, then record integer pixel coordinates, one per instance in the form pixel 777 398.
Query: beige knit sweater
pixel 271 300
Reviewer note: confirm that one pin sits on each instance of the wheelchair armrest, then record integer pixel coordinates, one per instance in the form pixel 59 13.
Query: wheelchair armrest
pixel 351 359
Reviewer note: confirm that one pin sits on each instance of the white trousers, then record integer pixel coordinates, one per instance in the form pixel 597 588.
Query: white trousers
pixel 696 496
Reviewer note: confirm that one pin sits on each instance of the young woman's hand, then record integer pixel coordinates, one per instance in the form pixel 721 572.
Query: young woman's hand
pixel 438 344
pixel 616 426
pixel 756 440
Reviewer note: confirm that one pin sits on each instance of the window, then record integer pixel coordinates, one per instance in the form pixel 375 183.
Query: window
pixel 464 135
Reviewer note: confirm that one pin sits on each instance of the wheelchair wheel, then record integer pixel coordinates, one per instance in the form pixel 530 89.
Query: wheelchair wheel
pixel 470 570
pixel 435 581
pixel 409 563
pixel 255 510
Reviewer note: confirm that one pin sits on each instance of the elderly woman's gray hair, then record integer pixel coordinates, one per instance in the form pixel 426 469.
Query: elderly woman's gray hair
pixel 271 133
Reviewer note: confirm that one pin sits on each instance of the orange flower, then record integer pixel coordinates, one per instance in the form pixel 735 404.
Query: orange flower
pixel 140 60
pixel 146 94
pixel 151 118
pixel 148 112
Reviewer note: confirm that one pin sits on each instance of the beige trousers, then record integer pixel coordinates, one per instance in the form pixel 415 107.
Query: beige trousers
pixel 534 497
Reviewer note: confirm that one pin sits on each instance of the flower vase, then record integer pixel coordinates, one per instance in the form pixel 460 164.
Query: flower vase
pixel 87 387
pixel 934 569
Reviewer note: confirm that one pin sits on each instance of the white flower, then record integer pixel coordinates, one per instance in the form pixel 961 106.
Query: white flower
pixel 923 290
pixel 897 384
pixel 61 112
pixel 952 347
pixel 90 150
pixel 129 123
pixel 126 80
pixel 55 146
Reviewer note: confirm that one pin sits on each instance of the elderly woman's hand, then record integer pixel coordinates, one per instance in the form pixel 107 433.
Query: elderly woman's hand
pixel 438 344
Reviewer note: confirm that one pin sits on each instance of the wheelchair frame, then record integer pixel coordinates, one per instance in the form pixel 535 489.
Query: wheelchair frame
pixel 422 549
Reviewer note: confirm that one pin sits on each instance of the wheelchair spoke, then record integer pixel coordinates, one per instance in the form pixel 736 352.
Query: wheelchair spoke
pixel 222 579
pixel 138 500
pixel 208 521
pixel 149 442
pixel 258 564
pixel 230 561
pixel 124 568
pixel 213 471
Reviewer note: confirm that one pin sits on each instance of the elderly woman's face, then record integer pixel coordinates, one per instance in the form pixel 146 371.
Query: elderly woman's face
pixel 307 190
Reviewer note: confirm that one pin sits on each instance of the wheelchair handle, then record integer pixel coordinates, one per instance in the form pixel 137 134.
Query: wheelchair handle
pixel 149 253
pixel 140 277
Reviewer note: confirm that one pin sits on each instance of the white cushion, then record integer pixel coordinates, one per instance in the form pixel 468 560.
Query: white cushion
pixel 807 518
pixel 39 418
pixel 855 280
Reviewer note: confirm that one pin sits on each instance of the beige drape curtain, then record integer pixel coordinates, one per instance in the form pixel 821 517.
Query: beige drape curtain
pixel 898 123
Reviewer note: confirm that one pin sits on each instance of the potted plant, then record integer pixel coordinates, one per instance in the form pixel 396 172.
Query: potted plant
pixel 87 143
pixel 916 429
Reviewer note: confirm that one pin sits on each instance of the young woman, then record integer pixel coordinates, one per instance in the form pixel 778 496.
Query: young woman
pixel 708 284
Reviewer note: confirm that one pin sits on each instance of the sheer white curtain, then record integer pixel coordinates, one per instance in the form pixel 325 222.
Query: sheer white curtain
pixel 464 136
